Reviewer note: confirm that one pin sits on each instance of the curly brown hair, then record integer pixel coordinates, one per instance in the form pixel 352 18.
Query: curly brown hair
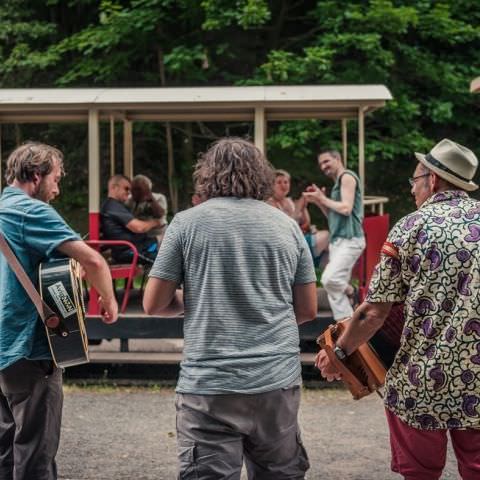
pixel 32 158
pixel 233 167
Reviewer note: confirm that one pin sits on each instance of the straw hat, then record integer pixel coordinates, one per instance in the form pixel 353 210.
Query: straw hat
pixel 452 162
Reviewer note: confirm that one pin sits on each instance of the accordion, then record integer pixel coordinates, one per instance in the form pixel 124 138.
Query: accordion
pixel 364 371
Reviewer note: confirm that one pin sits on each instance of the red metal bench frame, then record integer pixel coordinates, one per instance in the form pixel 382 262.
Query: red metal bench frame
pixel 126 271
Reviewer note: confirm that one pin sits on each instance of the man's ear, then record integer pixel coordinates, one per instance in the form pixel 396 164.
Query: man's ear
pixel 36 179
pixel 434 182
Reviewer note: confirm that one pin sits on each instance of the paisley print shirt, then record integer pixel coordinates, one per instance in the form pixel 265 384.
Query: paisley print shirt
pixel 432 263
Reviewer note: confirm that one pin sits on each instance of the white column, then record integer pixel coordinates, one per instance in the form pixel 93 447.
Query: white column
pixel 260 128
pixel 344 141
pixel 361 148
pixel 112 145
pixel 93 162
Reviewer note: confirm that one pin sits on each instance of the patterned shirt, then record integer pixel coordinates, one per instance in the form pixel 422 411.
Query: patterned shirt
pixel 238 260
pixel 432 264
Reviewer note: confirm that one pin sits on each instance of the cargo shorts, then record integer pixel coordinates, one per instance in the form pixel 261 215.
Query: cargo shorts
pixel 217 433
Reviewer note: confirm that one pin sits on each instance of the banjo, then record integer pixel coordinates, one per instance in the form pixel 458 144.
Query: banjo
pixel 61 287
pixel 59 304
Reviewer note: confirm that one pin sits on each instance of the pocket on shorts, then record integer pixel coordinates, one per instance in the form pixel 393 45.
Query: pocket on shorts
pixel 198 462
pixel 186 459
pixel 359 243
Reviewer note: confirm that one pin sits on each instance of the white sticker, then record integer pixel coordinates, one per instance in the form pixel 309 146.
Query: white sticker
pixel 62 299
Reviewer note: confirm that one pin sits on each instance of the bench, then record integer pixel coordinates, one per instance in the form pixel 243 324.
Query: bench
pixel 127 271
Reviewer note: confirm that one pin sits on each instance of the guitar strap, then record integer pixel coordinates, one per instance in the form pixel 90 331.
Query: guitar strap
pixel 48 316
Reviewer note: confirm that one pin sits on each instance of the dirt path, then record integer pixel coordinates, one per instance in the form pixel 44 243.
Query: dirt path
pixel 127 434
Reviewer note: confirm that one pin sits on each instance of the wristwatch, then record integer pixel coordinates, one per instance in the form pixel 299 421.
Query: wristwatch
pixel 341 355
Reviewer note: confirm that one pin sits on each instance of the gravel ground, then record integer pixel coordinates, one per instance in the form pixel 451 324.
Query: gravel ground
pixel 129 433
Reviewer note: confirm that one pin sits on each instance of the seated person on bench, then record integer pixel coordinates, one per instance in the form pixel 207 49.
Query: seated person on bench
pixel 118 223
pixel 145 205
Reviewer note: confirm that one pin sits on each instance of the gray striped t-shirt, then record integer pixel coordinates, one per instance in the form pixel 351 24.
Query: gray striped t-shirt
pixel 238 260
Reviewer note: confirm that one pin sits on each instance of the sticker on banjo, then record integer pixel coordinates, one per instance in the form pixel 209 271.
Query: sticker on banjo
pixel 62 299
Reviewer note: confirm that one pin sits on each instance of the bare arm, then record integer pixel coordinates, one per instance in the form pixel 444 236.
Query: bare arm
pixel 365 321
pixel 301 215
pixel 142 226
pixel 305 302
pixel 97 273
pixel 162 297
pixel 345 206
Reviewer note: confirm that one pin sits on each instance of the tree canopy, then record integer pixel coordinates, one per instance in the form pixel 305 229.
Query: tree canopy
pixel 425 51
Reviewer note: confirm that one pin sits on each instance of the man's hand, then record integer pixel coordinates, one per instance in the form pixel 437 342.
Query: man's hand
pixel 327 370
pixel 314 194
pixel 109 309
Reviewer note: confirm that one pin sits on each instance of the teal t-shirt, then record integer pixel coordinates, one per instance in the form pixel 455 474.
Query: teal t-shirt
pixel 346 226
pixel 33 229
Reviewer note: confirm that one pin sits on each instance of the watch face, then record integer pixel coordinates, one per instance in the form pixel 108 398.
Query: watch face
pixel 339 353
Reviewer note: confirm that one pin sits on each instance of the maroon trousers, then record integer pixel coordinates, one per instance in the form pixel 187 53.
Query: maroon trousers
pixel 421 454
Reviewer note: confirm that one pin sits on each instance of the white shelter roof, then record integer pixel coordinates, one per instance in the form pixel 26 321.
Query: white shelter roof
pixel 190 103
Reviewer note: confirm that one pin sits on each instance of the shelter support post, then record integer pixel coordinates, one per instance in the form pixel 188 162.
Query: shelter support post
pixel 93 173
pixel 93 193
pixel 361 148
pixel 260 128
pixel 127 148
pixel 344 141
pixel 112 145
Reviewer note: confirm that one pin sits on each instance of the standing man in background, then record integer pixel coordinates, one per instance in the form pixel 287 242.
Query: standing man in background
pixel 31 395
pixel 248 280
pixel 344 211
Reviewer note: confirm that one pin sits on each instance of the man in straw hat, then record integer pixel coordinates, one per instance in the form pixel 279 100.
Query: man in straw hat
pixel 430 262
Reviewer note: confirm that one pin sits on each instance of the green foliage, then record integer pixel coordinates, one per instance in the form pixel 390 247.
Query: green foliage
pixel 20 36
pixel 425 51
pixel 245 13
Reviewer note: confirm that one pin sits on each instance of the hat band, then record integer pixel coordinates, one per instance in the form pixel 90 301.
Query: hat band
pixel 431 159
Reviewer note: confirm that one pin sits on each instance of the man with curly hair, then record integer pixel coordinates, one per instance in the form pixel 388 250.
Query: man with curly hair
pixel 248 280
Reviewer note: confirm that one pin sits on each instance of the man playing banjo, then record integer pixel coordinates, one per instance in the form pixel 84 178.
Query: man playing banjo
pixel 31 394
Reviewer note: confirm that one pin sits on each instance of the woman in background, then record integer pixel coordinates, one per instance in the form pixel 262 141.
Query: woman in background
pixel 317 239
